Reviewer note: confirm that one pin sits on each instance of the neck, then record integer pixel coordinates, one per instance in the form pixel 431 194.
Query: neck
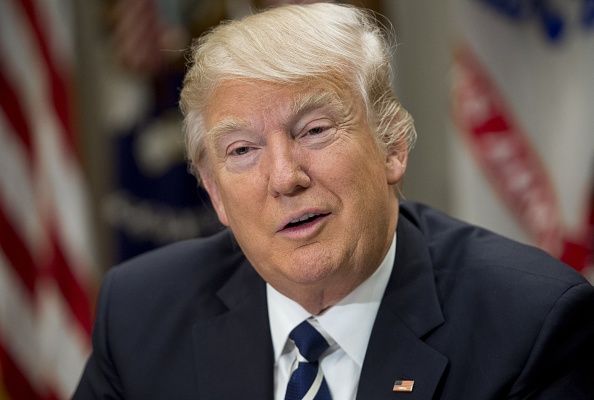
pixel 317 298
pixel 317 301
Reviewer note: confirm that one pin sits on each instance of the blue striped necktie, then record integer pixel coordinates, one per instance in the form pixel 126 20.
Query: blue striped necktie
pixel 307 381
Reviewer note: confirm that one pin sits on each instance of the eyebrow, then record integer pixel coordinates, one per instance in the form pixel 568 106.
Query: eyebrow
pixel 224 127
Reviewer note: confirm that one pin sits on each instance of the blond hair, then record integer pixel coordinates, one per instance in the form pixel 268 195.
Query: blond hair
pixel 290 44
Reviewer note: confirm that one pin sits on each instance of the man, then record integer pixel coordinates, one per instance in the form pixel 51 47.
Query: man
pixel 323 286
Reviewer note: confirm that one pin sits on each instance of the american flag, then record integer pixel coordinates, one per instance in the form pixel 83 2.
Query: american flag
pixel 47 279
pixel 522 101
pixel 405 386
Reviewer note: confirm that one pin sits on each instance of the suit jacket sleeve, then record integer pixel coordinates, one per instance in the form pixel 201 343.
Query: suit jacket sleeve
pixel 561 362
pixel 100 379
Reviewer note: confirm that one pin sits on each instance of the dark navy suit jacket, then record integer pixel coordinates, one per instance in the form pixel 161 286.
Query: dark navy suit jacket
pixel 467 315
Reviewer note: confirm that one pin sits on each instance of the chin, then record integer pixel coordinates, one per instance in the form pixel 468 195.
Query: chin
pixel 311 268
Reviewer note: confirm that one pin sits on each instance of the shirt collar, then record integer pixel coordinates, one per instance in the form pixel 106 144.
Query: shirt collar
pixel 349 322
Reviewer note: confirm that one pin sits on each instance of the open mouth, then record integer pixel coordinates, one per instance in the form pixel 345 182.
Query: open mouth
pixel 307 219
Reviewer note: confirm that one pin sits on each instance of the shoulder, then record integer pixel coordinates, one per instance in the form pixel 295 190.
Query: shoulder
pixel 147 311
pixel 197 255
pixel 175 273
pixel 459 248
pixel 513 309
pixel 166 289
pixel 481 275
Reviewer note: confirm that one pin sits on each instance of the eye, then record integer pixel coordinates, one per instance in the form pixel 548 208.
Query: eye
pixel 317 130
pixel 320 127
pixel 239 151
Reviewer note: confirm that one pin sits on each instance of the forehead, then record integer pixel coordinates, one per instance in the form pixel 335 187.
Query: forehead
pixel 238 97
pixel 248 101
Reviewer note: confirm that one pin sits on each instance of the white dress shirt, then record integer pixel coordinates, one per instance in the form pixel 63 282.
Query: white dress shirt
pixel 346 325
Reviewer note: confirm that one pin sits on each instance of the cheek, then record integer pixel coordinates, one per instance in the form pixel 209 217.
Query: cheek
pixel 364 193
pixel 355 175
pixel 244 200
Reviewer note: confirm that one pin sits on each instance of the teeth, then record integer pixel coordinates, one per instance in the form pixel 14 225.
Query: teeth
pixel 303 218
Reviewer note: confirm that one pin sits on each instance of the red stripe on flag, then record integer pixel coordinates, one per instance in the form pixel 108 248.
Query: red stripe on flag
pixel 10 103
pixel 58 87
pixel 15 382
pixel 505 153
pixel 577 254
pixel 578 250
pixel 76 297
pixel 17 253
pixel 137 35
pixel 51 396
pixel 54 262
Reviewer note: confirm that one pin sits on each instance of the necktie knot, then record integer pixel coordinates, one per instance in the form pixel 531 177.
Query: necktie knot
pixel 310 343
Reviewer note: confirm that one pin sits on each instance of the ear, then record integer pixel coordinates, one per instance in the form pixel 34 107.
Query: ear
pixel 212 189
pixel 396 158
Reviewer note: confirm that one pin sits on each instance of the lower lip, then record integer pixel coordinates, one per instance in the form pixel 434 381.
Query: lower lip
pixel 306 230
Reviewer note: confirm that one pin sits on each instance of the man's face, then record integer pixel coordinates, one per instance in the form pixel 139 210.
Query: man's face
pixel 296 174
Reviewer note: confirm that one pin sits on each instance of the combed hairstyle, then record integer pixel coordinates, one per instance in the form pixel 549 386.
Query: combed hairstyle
pixel 292 44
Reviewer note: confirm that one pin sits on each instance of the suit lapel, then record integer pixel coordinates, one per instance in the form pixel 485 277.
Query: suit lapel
pixel 410 309
pixel 233 350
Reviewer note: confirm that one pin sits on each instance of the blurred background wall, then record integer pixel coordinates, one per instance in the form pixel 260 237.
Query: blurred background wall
pixel 91 151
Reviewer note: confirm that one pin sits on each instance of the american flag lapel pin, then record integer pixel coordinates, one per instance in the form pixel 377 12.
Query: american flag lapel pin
pixel 403 385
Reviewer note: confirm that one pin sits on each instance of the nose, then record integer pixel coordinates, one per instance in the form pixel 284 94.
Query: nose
pixel 287 174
